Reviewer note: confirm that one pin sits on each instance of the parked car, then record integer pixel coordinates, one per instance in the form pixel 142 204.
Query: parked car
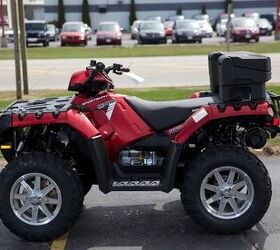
pixel 254 15
pixel 73 33
pixel 187 30
pixel 175 18
pixel 53 32
pixel 37 32
pixel 9 33
pixel 135 29
pixel 244 29
pixel 271 18
pixel 151 32
pixel 223 16
pixel 108 33
pixel 88 31
pixel 154 18
pixel 202 17
pixel 221 27
pixel 265 27
pixel 168 26
pixel 205 28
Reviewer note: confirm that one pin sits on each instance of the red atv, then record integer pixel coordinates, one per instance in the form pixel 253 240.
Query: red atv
pixel 57 148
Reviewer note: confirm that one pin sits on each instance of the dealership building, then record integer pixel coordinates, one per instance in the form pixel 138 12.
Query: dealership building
pixel 118 10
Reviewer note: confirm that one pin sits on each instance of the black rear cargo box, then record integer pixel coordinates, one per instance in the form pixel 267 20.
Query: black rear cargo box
pixel 238 76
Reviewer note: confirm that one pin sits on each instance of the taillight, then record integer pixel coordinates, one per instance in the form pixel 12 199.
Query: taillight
pixel 275 121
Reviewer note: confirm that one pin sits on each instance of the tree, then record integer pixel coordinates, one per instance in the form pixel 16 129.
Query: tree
pixel 86 13
pixel 203 10
pixel 227 2
pixel 61 13
pixel 132 13
pixel 179 11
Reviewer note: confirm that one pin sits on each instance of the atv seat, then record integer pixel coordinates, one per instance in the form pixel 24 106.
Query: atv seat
pixel 165 114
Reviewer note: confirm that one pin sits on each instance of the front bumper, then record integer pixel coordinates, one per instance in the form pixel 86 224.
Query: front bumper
pixel 36 39
pixel 108 41
pixel 188 38
pixel 149 39
pixel 73 40
pixel 242 37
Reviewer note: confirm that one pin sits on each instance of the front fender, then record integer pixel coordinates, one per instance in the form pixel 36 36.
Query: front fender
pixel 74 118
pixel 209 113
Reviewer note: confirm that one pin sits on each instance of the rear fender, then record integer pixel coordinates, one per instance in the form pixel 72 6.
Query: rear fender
pixel 75 119
pixel 209 113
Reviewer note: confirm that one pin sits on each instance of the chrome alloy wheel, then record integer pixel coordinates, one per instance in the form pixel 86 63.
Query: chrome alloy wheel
pixel 35 199
pixel 227 192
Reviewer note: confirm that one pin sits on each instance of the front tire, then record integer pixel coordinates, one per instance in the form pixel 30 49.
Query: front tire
pixel 41 197
pixel 226 190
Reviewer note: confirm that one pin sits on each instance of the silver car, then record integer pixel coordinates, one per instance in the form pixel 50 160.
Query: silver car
pixel 134 29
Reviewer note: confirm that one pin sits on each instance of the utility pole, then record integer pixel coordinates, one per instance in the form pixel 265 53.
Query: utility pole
pixel 16 47
pixel 4 41
pixel 23 46
pixel 229 10
pixel 277 26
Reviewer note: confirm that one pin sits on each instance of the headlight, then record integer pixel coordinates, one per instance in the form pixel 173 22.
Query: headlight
pixel 162 34
pixel 143 34
pixel 179 33
pixel 63 37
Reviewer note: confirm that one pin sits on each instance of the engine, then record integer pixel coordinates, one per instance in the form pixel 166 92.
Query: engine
pixel 135 158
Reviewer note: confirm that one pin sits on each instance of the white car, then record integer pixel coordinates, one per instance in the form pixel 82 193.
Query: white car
pixel 205 28
pixel 221 27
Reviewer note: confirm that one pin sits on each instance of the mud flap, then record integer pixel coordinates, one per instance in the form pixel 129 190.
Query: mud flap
pixel 170 167
pixel 102 165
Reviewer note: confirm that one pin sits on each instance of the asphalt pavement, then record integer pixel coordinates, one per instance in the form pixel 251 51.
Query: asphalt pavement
pixel 155 220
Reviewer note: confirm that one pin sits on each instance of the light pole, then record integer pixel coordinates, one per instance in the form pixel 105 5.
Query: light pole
pixel 4 41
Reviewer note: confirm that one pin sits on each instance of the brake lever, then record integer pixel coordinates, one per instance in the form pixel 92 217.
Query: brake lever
pixel 117 72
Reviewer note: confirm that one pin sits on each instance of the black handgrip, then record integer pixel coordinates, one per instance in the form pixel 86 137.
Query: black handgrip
pixel 125 69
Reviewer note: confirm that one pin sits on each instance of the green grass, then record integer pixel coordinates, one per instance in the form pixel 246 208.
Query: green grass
pixel 158 94
pixel 138 51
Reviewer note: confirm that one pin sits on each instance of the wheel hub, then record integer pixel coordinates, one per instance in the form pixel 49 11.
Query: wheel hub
pixel 36 198
pixel 227 192
pixel 32 193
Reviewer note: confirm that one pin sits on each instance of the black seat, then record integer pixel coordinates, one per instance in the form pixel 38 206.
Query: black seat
pixel 165 114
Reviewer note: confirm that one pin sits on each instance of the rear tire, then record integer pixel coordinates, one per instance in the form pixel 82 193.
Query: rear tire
pixel 57 208
pixel 213 207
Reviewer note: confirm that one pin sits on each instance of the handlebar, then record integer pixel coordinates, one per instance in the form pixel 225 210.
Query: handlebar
pixel 100 67
pixel 117 69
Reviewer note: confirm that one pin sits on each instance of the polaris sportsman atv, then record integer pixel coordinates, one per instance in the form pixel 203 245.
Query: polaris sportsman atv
pixel 57 148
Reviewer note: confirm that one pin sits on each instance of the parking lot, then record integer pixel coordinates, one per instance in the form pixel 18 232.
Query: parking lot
pixel 153 220
pixel 127 42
